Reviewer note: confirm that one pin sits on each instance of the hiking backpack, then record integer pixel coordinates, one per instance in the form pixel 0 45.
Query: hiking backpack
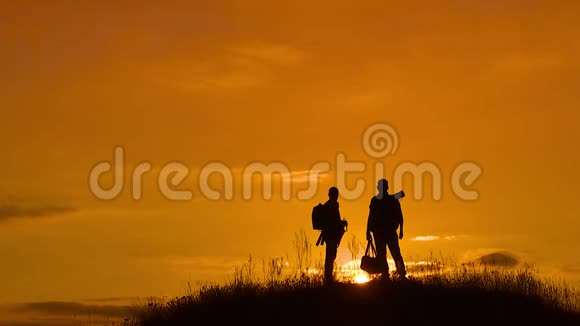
pixel 318 217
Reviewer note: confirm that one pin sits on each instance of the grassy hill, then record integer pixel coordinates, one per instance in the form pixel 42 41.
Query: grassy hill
pixel 467 296
pixel 436 292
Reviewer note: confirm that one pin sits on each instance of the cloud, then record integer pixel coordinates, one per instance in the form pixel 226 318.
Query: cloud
pixel 9 211
pixel 493 257
pixel 305 176
pixel 114 299
pixel 225 81
pixel 55 313
pixel 410 266
pixel 71 309
pixel 433 238
pixel 296 176
pixel 238 67
pixel 498 259
pixel 426 238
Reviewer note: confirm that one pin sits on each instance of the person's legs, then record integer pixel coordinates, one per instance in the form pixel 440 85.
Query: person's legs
pixel 331 249
pixel 393 243
pixel 381 246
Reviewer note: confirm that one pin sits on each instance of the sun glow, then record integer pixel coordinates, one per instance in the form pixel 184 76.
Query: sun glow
pixel 351 273
pixel 361 278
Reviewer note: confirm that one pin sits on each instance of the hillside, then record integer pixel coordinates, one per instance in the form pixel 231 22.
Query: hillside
pixel 491 297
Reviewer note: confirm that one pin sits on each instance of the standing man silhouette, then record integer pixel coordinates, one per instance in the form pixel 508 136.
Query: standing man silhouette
pixel 385 217
pixel 332 233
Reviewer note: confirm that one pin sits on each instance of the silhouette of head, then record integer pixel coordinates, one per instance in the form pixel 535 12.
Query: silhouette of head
pixel 383 186
pixel 333 193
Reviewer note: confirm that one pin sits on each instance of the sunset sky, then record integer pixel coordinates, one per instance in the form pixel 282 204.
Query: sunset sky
pixel 495 83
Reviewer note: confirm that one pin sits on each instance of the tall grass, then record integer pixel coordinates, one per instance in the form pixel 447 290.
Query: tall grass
pixel 524 280
pixel 284 277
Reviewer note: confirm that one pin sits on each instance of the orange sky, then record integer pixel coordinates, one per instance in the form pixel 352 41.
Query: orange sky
pixel 490 82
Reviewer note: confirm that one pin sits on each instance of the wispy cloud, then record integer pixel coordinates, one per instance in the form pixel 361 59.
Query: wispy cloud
pixel 238 67
pixel 305 176
pixel 56 313
pixel 72 308
pixel 224 81
pixel 297 176
pixel 426 238
pixel 433 238
pixel 116 300
pixel 10 211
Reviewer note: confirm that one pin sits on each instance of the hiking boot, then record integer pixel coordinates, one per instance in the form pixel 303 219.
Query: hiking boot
pixel 402 277
pixel 385 277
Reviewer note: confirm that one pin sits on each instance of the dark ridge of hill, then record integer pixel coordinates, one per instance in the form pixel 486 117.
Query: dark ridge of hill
pixel 374 303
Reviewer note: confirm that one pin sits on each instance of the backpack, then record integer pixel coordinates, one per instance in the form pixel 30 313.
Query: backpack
pixel 318 217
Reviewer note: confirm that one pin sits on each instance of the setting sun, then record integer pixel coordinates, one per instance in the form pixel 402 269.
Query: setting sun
pixel 361 278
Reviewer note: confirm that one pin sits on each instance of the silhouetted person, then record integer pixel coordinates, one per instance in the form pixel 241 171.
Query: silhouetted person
pixel 332 233
pixel 385 217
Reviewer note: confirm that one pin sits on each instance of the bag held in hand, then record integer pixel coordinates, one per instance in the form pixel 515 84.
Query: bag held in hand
pixel 370 263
